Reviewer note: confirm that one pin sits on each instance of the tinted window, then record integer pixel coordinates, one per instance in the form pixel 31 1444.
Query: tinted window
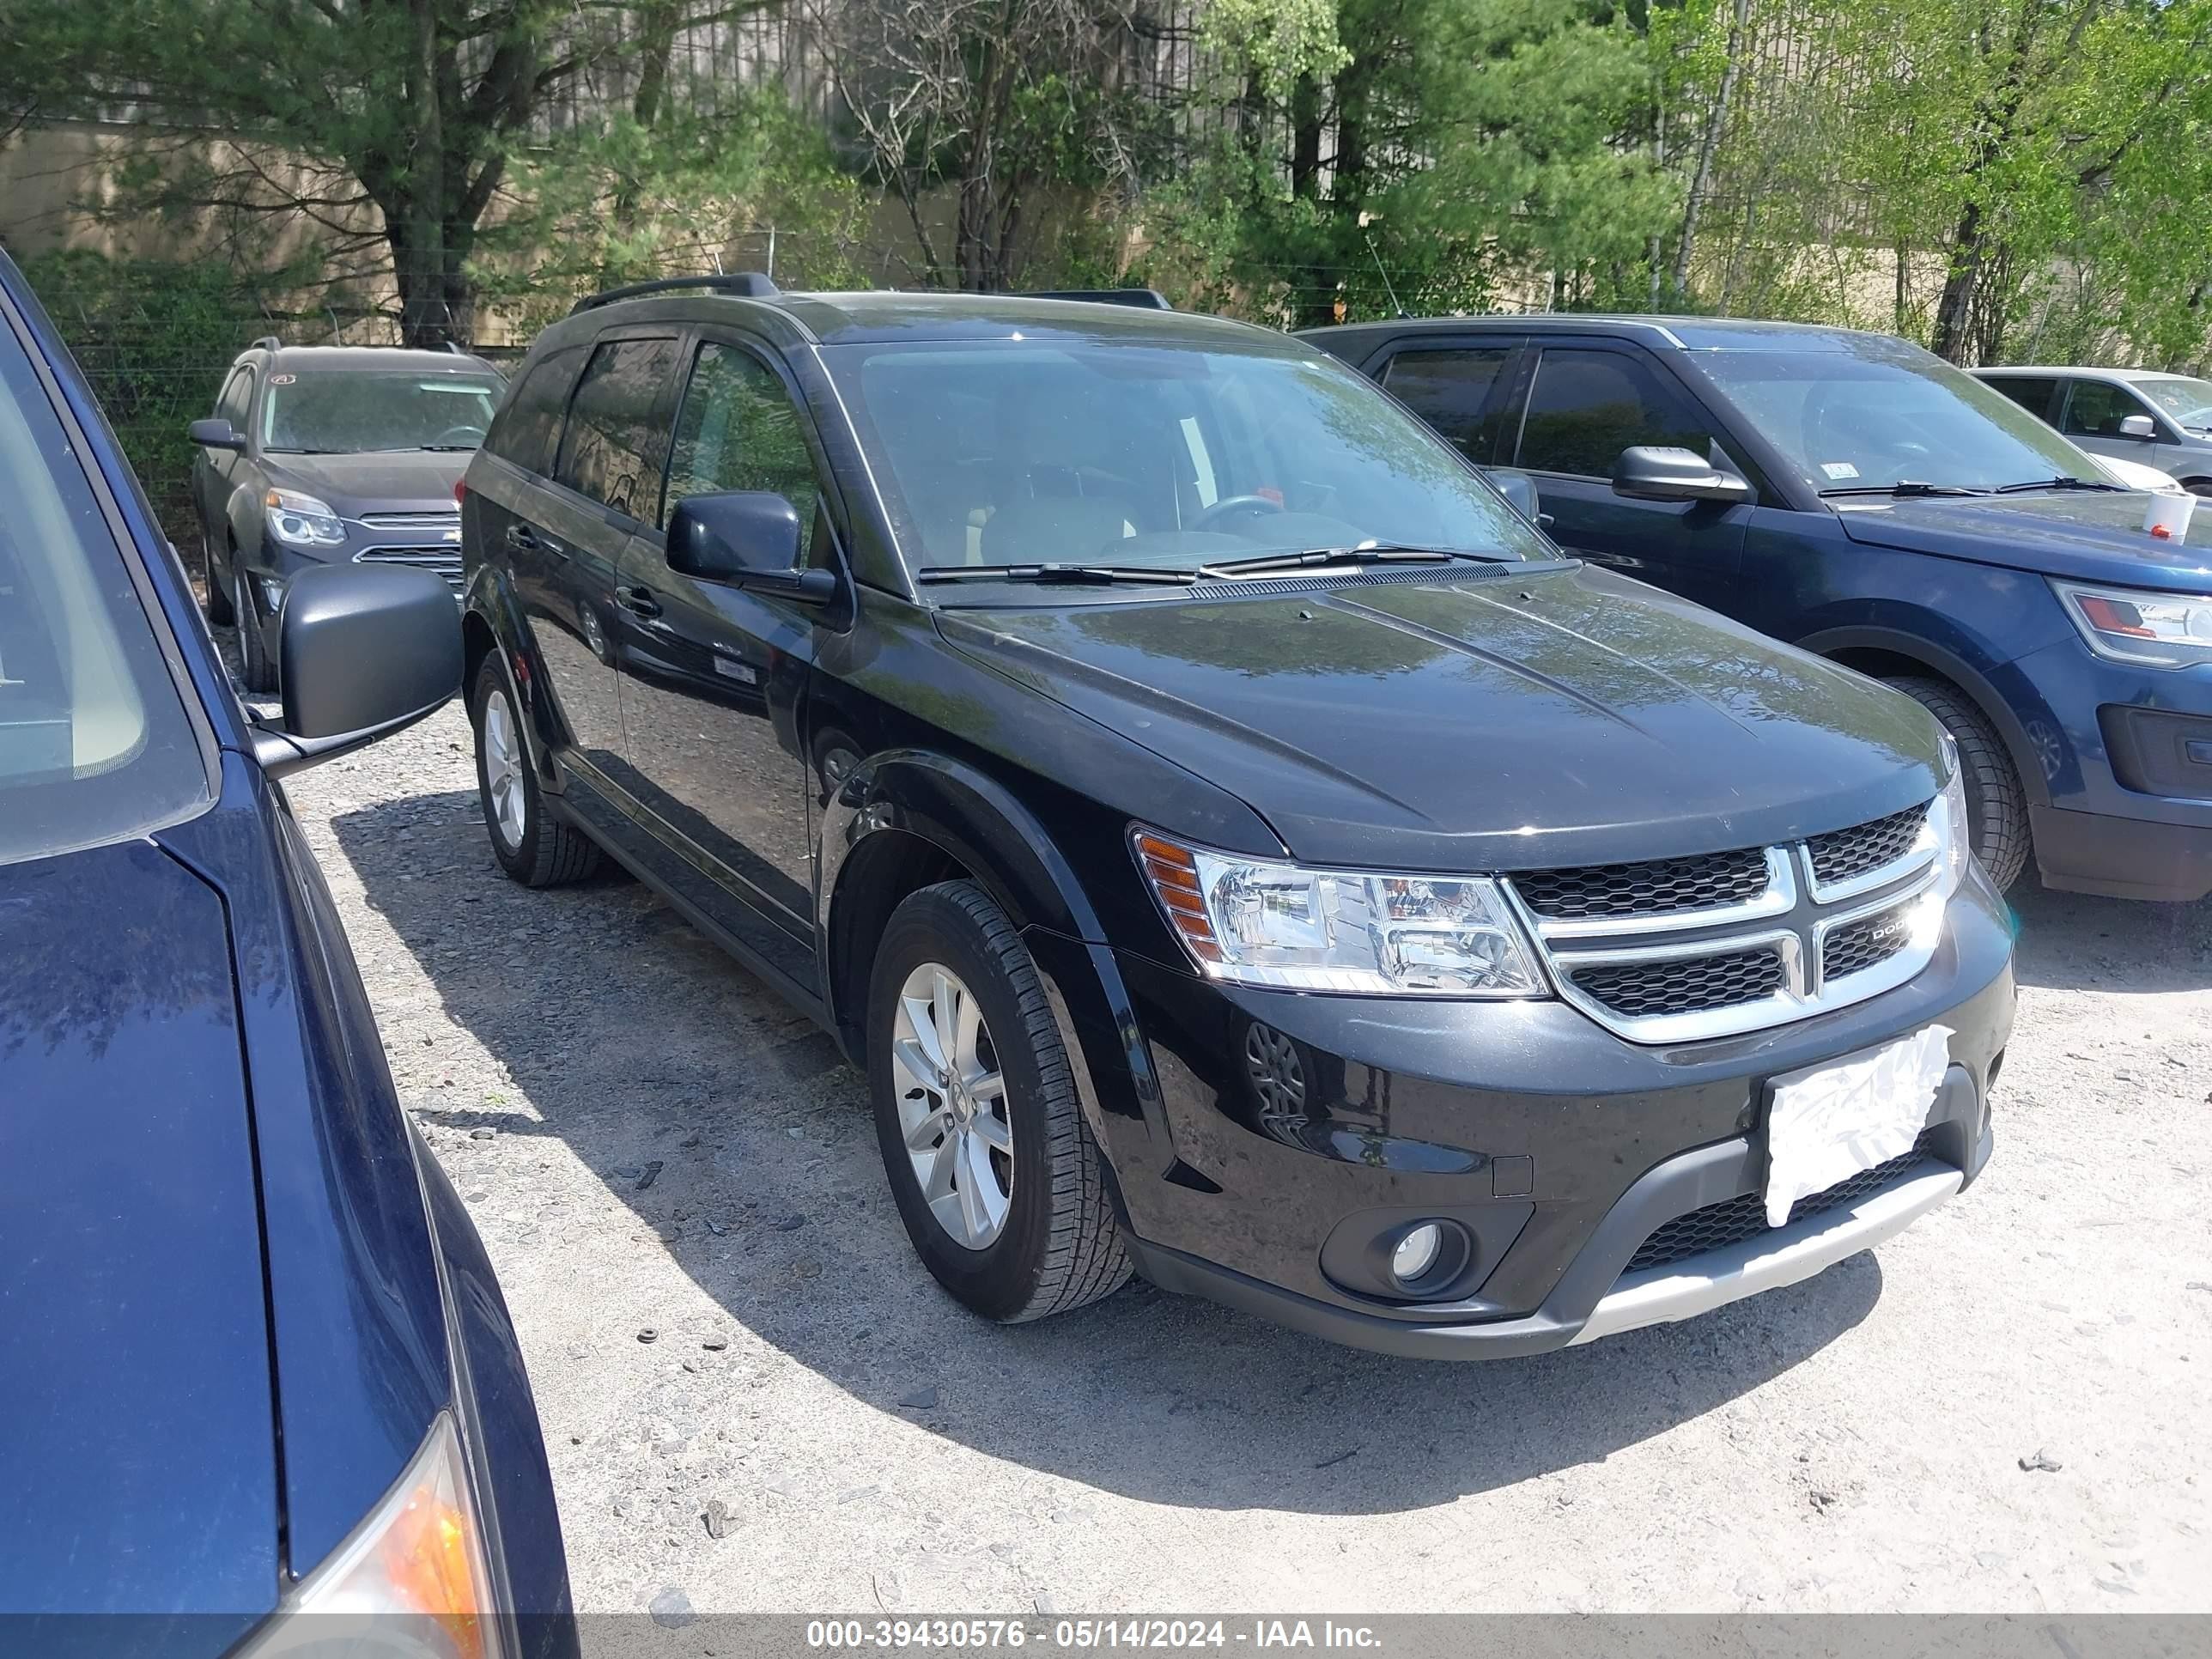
pixel 739 430
pixel 2033 392
pixel 2094 408
pixel 1450 391
pixel 612 449
pixel 1017 452
pixel 527 429
pixel 94 740
pixel 237 394
pixel 1588 406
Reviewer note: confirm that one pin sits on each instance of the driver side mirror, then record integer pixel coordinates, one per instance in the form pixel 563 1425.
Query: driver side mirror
pixel 748 539
pixel 2138 426
pixel 362 653
pixel 1519 491
pixel 215 434
pixel 1653 472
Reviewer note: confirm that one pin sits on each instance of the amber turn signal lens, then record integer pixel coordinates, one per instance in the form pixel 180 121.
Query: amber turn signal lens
pixel 1173 875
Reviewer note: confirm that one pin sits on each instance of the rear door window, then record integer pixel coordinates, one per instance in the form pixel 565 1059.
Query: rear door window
pixel 1456 390
pixel 1588 405
pixel 612 449
pixel 2033 392
pixel 2094 408
pixel 527 429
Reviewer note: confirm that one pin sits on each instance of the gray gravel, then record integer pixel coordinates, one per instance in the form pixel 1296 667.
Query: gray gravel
pixel 2006 1408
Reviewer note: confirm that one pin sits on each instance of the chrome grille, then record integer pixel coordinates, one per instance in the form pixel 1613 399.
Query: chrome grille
pixel 1685 985
pixel 444 560
pixel 1855 945
pixel 1648 888
pixel 1850 854
pixel 1734 1219
pixel 448 519
pixel 1683 949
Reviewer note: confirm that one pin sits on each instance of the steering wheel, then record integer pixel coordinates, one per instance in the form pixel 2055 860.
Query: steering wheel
pixel 1229 504
pixel 460 435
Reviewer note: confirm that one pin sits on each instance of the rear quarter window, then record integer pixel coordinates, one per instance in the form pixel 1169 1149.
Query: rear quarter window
pixel 526 431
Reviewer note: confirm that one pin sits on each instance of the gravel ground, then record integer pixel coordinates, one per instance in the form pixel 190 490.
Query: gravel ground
pixel 753 1394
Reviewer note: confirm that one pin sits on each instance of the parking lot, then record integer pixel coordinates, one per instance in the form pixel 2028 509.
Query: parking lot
pixel 753 1395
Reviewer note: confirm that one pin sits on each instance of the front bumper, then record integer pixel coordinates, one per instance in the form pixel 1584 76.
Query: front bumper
pixel 1558 1148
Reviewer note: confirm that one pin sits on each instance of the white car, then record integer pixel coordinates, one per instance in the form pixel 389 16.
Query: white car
pixel 2136 475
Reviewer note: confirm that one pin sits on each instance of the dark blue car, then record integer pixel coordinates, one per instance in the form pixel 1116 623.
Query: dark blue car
pixel 252 1359
pixel 1855 495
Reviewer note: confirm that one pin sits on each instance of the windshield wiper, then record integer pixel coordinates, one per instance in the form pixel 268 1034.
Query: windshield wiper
pixel 1083 576
pixel 1366 553
pixel 1906 487
pixel 282 449
pixel 2068 483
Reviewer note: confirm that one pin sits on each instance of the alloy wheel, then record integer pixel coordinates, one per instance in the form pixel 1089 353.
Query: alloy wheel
pixel 953 1105
pixel 503 780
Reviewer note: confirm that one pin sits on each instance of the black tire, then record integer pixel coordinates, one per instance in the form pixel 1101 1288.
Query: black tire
pixel 1059 1245
pixel 1996 805
pixel 2197 486
pixel 220 611
pixel 257 670
pixel 548 852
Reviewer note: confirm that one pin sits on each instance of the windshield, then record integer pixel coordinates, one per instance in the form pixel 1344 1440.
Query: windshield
pixel 1867 412
pixel 1164 456
pixel 345 413
pixel 2189 402
pixel 94 741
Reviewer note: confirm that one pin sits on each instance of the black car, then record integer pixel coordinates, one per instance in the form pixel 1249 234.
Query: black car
pixel 319 454
pixel 256 1363
pixel 1864 500
pixel 1234 843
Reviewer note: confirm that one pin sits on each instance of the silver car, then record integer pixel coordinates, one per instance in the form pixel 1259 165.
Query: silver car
pixel 2139 415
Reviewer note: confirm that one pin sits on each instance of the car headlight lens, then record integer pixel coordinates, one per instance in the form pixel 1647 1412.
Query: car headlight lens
pixel 409 1583
pixel 2131 624
pixel 302 520
pixel 1953 833
pixel 1262 923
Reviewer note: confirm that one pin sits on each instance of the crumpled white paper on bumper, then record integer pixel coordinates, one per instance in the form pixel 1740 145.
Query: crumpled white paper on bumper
pixel 1829 1122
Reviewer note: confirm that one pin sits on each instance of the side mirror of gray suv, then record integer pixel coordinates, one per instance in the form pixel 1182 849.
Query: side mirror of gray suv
pixel 215 434
pixel 745 538
pixel 362 653
pixel 2138 426
pixel 1652 472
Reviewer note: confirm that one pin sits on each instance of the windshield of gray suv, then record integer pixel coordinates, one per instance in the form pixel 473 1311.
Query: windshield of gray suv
pixel 1152 456
pixel 94 745
pixel 350 411
pixel 1864 414
pixel 2187 401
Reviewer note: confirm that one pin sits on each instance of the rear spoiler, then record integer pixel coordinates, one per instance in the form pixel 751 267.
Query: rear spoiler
pixel 1147 299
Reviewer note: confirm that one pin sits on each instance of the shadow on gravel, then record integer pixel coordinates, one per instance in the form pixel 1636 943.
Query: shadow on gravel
pixel 738 1136
pixel 2069 941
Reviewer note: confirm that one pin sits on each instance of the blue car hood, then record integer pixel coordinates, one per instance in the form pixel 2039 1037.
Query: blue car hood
pixel 2094 536
pixel 136 1426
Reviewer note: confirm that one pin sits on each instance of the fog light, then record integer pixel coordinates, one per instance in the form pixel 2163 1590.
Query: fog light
pixel 1417 1252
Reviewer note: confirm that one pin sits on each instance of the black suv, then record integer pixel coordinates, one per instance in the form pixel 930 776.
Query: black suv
pixel 321 454
pixel 1233 841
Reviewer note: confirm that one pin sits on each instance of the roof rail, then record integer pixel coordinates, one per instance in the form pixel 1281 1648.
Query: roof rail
pixel 267 342
pixel 1149 299
pixel 745 285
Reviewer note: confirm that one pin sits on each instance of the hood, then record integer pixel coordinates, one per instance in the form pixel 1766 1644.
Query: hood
pixel 2094 536
pixel 380 480
pixel 1504 719
pixel 135 1415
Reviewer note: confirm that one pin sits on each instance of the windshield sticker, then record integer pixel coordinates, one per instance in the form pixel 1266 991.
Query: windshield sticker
pixel 283 379
pixel 1840 469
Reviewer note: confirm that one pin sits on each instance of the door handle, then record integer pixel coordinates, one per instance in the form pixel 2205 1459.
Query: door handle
pixel 638 601
pixel 519 538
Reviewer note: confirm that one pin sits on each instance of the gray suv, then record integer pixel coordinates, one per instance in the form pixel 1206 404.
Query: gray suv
pixel 321 454
pixel 2138 415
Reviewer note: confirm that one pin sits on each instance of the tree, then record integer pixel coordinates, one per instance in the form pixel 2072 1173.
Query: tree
pixel 374 125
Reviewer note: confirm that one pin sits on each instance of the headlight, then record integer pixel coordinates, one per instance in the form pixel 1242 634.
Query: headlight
pixel 411 1581
pixel 1953 833
pixel 301 521
pixel 1262 923
pixel 2130 625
